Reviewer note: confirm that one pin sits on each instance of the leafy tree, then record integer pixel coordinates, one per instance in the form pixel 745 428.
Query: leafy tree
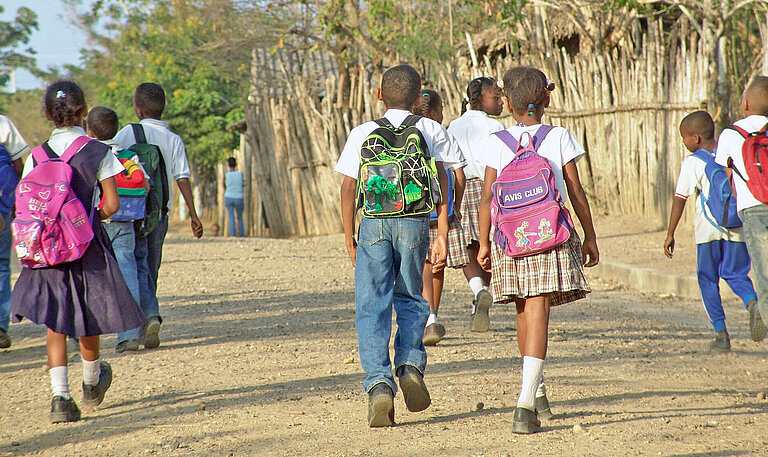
pixel 12 35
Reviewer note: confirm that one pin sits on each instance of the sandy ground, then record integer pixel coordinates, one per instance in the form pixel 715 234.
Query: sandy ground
pixel 258 357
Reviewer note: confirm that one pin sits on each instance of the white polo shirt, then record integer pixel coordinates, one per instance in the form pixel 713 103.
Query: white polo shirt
pixel 435 136
pixel 170 144
pixel 471 130
pixel 11 138
pixel 729 147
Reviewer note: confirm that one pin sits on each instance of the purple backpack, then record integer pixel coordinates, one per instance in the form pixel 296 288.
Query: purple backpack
pixel 527 213
pixel 51 226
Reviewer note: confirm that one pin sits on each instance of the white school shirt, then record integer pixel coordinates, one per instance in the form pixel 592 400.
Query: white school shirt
pixel 693 181
pixel 729 147
pixel 170 144
pixel 462 163
pixel 472 130
pixel 12 139
pixel 435 136
pixel 559 148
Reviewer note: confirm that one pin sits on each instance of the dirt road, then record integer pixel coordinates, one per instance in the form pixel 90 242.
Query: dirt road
pixel 258 357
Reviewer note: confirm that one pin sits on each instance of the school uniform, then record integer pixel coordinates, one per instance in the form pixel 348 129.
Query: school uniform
pixel 388 271
pixel 88 296
pixel 557 272
pixel 471 131
pixel 720 252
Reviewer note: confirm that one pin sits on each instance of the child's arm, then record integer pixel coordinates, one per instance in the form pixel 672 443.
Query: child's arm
pixel 440 245
pixel 186 191
pixel 590 253
pixel 484 214
pixel 111 199
pixel 458 194
pixel 348 191
pixel 678 205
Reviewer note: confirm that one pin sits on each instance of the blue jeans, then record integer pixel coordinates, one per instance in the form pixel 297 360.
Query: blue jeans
pixel 728 260
pixel 755 232
pixel 149 254
pixel 5 273
pixel 390 259
pixel 235 205
pixel 123 239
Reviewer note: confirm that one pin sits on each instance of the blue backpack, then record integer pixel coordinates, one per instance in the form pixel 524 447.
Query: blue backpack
pixel 433 214
pixel 8 181
pixel 721 201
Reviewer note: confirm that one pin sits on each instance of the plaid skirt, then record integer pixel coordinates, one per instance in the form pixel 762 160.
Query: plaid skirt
pixel 458 257
pixel 470 208
pixel 557 272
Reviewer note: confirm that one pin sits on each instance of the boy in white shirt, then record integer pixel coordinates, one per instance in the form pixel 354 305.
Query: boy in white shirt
pixel 720 251
pixel 17 147
pixel 389 256
pixel 752 212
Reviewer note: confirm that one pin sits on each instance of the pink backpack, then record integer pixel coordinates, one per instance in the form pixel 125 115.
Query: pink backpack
pixel 527 213
pixel 51 226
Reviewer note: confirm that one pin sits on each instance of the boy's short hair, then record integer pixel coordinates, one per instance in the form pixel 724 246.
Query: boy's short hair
pixel 757 95
pixel 150 98
pixel 102 121
pixel 232 162
pixel 699 123
pixel 400 86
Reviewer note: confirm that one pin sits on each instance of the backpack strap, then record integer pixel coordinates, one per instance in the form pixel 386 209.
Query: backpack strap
pixel 384 122
pixel 75 147
pixel 41 153
pixel 704 155
pixel 138 133
pixel 410 121
pixel 508 140
pixel 541 133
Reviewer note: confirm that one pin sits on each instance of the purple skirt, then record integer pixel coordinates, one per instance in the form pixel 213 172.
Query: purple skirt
pixel 86 297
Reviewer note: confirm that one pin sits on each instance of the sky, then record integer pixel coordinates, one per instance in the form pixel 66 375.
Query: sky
pixel 57 42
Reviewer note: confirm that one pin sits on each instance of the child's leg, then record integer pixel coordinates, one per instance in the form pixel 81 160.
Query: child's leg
pixel 708 258
pixel 240 224
pixel 89 350
pixel 56 347
pixel 426 289
pixel 438 279
pixel 755 232
pixel 534 317
pixel 734 268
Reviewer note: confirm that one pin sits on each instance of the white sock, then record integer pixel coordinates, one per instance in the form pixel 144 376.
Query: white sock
pixel 60 381
pixel 432 319
pixel 476 284
pixel 91 372
pixel 541 391
pixel 532 369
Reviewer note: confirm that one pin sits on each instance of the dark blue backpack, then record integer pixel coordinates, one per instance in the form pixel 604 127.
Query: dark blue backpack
pixel 721 201
pixel 433 214
pixel 8 181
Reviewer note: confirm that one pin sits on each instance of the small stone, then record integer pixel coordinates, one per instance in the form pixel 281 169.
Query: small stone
pixel 175 445
pixel 558 338
pixel 349 360
pixel 578 428
pixel 45 367
pixel 15 443
pixel 201 406
pixel 479 406
pixel 761 395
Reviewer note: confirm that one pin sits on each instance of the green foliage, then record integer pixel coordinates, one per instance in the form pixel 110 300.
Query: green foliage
pixel 13 34
pixel 25 109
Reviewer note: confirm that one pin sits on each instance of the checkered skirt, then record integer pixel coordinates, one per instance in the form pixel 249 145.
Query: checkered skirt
pixel 458 257
pixel 470 208
pixel 557 272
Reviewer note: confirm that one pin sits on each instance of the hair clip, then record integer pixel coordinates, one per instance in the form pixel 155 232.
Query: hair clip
pixel 425 94
pixel 531 106
pixel 60 94
pixel 550 85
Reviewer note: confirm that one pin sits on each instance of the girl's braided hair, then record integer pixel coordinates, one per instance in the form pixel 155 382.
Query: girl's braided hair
pixel 427 101
pixel 526 88
pixel 475 93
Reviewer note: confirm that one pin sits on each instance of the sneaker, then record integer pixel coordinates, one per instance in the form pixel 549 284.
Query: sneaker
pixel 480 320
pixel 721 344
pixel 525 422
pixel 127 345
pixel 64 410
pixel 381 406
pixel 151 332
pixel 94 395
pixel 413 387
pixel 542 408
pixel 5 340
pixel 433 334
pixel 757 329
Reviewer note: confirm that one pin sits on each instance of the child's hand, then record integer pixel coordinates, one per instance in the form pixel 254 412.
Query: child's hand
pixel 197 226
pixel 352 250
pixel 439 253
pixel 589 251
pixel 669 246
pixel 484 257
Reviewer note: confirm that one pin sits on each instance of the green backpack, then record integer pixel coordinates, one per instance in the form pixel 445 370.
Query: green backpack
pixel 398 177
pixel 157 197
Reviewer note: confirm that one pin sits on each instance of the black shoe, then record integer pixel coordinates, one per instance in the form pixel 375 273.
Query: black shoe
pixel 414 390
pixel 127 345
pixel 381 406
pixel 480 320
pixel 757 329
pixel 64 410
pixel 94 395
pixel 721 344
pixel 5 340
pixel 525 422
pixel 542 408
pixel 151 332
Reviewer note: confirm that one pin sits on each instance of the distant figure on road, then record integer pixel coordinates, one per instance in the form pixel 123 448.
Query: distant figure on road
pixel 233 197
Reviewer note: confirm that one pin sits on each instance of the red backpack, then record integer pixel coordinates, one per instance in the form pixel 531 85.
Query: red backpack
pixel 755 155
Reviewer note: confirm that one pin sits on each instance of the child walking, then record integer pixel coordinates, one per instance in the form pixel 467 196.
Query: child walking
pixel 539 281
pixel 720 251
pixel 472 131
pixel 393 237
pixel 430 105
pixel 87 297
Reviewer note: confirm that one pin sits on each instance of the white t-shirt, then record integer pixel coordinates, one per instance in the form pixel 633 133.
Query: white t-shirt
pixel 12 139
pixel 436 137
pixel 170 144
pixel 559 148
pixel 472 130
pixel 693 181
pixel 462 163
pixel 729 146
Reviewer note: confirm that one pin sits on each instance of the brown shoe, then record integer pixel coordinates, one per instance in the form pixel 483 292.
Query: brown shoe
pixel 525 422
pixel 414 390
pixel 381 406
pixel 433 334
pixel 757 329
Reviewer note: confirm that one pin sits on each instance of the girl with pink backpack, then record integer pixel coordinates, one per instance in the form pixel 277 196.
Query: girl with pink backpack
pixel 536 258
pixel 70 281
